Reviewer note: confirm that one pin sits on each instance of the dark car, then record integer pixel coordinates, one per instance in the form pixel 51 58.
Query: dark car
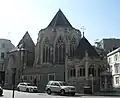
pixel 87 89
pixel 1 90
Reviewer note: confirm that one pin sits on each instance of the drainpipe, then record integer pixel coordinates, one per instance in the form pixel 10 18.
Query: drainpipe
pixel 86 65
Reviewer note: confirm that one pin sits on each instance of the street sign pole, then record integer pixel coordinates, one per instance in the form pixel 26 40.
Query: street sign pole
pixel 13 80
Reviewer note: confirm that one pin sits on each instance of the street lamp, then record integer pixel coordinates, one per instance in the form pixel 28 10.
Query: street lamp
pixel 13 80
pixel 91 75
pixel 2 71
pixel 66 67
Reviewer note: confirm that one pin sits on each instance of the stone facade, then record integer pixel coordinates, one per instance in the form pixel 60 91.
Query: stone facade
pixel 12 61
pixel 114 62
pixel 60 54
pixel 5 46
pixel 21 57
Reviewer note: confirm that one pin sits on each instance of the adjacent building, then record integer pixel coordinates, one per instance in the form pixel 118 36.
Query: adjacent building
pixel 21 58
pixel 5 46
pixel 108 44
pixel 114 62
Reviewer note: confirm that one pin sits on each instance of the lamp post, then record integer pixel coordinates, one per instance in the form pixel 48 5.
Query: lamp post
pixel 92 83
pixel 13 80
pixel 86 65
pixel 3 72
pixel 66 67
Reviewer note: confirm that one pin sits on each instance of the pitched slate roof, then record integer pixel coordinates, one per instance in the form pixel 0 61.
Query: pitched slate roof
pixel 27 43
pixel 24 40
pixel 83 46
pixel 59 20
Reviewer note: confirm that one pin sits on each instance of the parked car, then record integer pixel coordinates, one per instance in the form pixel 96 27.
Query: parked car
pixel 1 90
pixel 28 87
pixel 60 87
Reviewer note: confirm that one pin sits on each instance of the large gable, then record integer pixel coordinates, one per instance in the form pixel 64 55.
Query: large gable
pixel 24 40
pixel 27 43
pixel 59 20
pixel 83 46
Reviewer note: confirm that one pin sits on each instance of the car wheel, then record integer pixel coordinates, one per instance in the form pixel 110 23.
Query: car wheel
pixel 49 92
pixel 1 92
pixel 62 92
pixel 27 90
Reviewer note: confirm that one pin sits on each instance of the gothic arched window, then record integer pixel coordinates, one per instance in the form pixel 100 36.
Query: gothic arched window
pixel 72 72
pixel 92 70
pixel 60 51
pixel 46 51
pixel 81 72
pixel 72 46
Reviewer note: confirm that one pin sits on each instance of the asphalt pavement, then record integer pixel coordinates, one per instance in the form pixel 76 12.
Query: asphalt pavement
pixel 8 94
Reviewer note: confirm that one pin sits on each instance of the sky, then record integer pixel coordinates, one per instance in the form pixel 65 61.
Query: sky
pixel 101 18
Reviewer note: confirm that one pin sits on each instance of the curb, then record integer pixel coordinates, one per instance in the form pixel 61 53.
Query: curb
pixel 98 94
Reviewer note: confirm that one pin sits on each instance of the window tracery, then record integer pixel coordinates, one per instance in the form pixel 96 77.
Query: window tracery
pixel 72 46
pixel 92 70
pixel 60 51
pixel 46 51
pixel 81 72
pixel 72 72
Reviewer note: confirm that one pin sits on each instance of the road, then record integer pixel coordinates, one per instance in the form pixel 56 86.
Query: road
pixel 8 94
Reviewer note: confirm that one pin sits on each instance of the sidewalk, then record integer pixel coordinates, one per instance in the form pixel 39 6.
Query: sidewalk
pixel 107 94
pixel 99 94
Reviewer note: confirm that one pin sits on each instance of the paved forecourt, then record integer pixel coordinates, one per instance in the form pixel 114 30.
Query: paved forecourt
pixel 8 94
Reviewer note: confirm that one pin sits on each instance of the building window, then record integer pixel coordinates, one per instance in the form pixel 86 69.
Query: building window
pixel 47 56
pixel 25 77
pixel 91 71
pixel 110 68
pixel 30 77
pixel 81 72
pixel 60 51
pixel 98 72
pixel 109 60
pixel 3 45
pixel 2 55
pixel 72 47
pixel 116 68
pixel 117 80
pixel 51 77
pixel 72 72
pixel 115 57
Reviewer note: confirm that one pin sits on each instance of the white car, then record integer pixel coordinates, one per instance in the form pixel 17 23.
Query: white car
pixel 60 87
pixel 28 87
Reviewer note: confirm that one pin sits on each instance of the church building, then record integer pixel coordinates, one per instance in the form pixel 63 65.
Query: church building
pixel 62 53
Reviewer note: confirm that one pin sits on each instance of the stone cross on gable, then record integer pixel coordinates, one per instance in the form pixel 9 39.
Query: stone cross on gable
pixel 83 29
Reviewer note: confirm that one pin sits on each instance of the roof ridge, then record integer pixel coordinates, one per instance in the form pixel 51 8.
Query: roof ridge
pixel 22 40
pixel 59 20
pixel 83 45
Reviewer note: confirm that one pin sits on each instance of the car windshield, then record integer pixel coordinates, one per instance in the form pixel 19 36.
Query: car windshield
pixel 30 84
pixel 63 84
